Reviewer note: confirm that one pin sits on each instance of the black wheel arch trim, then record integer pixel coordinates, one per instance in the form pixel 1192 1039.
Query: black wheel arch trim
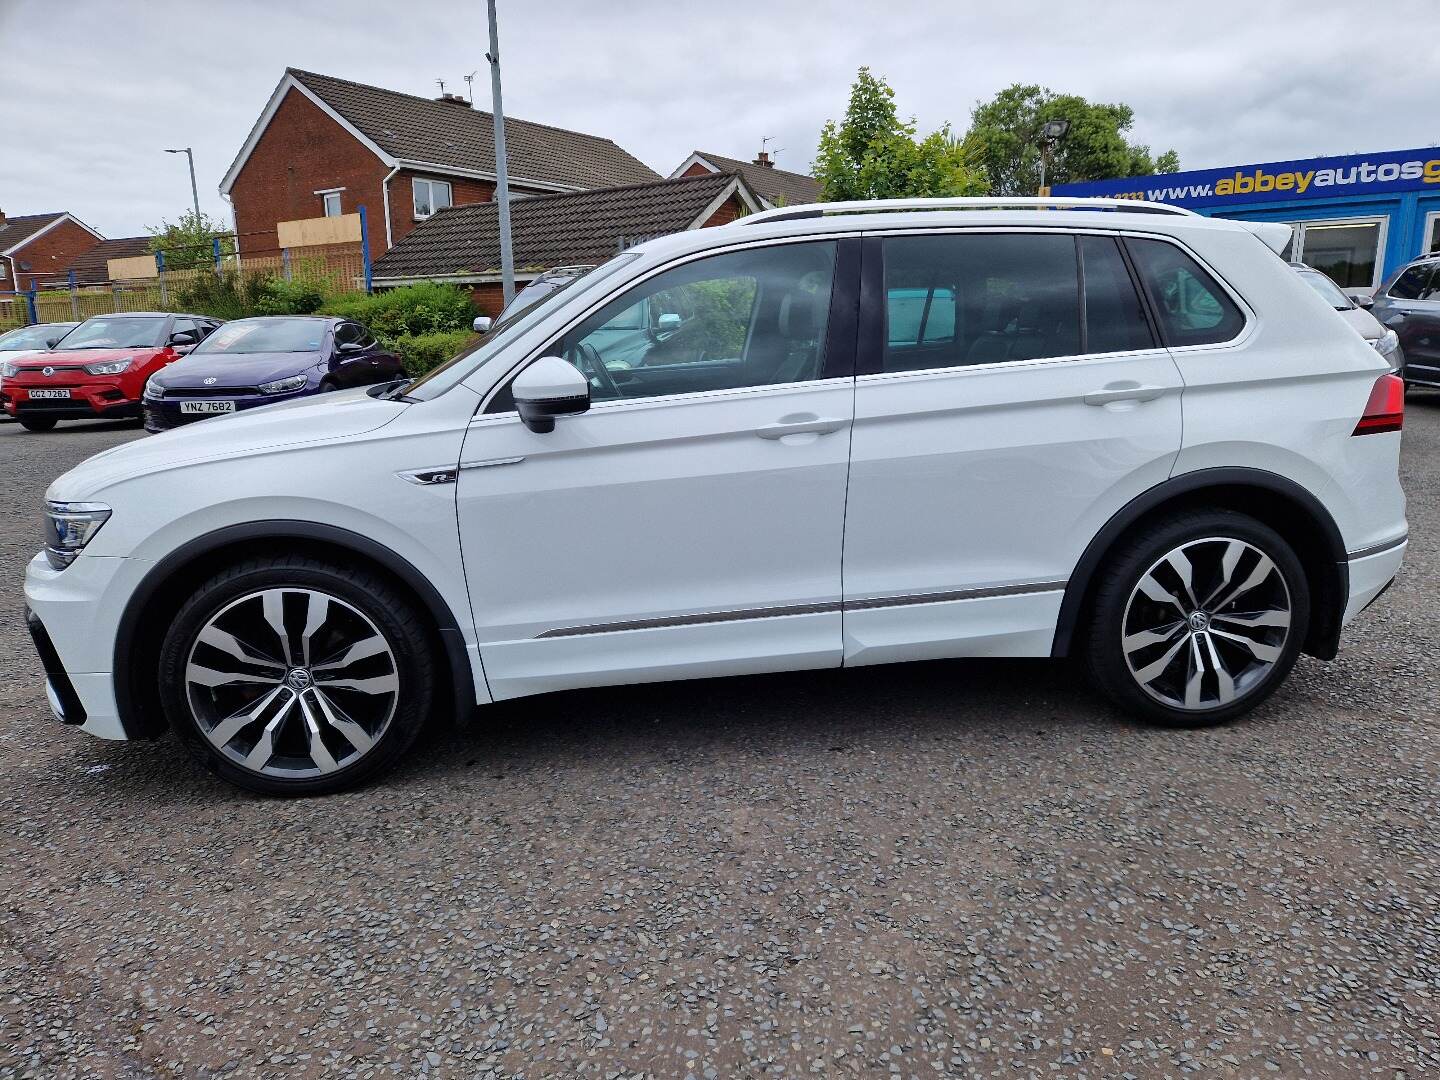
pixel 1323 639
pixel 137 726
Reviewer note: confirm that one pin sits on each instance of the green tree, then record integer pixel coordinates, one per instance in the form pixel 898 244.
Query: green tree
pixel 873 154
pixel 189 242
pixel 1005 133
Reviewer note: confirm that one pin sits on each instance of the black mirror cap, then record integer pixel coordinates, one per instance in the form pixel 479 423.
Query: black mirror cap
pixel 539 416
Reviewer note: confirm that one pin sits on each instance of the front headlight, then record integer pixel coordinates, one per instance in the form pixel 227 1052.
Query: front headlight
pixel 1386 343
pixel 110 367
pixel 69 527
pixel 280 386
pixel 152 392
pixel 7 369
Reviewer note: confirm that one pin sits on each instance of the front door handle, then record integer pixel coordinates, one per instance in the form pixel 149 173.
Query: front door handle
pixel 1123 391
pixel 800 424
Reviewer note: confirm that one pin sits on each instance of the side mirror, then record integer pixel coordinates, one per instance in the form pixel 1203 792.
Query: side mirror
pixel 482 324
pixel 50 343
pixel 349 347
pixel 668 323
pixel 1365 301
pixel 548 388
pixel 184 337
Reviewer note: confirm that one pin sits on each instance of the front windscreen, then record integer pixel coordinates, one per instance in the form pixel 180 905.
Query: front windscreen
pixel 265 336
pixel 116 333
pixel 33 337
pixel 438 380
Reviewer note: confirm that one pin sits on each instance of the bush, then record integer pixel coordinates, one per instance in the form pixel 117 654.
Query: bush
pixel 414 310
pixel 232 295
pixel 421 352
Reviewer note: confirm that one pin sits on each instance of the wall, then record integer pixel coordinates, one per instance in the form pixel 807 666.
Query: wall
pixel 463 192
pixel 49 255
pixel 303 151
pixel 729 210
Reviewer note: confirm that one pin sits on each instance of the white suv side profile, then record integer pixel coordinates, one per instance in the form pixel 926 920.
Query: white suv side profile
pixel 820 436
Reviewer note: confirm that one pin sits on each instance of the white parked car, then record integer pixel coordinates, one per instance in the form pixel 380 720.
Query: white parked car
pixel 1383 340
pixel 855 434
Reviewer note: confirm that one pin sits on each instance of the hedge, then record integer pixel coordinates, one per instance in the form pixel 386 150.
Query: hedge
pixel 421 352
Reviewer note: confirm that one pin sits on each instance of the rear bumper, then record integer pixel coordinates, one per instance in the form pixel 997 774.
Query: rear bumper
pixel 1371 572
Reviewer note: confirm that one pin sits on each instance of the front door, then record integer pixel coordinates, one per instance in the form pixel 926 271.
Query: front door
pixel 690 523
pixel 1003 414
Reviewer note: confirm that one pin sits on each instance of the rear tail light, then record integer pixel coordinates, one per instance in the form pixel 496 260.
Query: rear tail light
pixel 1385 411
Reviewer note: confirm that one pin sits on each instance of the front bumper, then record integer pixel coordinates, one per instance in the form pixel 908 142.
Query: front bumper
pixel 94 396
pixel 162 414
pixel 77 612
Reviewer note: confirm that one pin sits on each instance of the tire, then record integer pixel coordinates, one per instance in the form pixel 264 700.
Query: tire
pixel 1135 624
pixel 38 423
pixel 322 738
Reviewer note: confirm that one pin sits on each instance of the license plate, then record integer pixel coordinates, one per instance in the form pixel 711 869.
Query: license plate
pixel 49 393
pixel 207 408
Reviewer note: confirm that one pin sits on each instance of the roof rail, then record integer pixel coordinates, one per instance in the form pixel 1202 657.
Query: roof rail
pixel 1052 202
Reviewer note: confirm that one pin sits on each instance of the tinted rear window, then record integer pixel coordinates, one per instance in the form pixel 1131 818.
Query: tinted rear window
pixel 1192 307
pixel 1413 283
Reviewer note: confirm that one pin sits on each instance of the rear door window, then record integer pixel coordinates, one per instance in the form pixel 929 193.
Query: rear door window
pixel 958 300
pixel 1190 304
pixel 1114 315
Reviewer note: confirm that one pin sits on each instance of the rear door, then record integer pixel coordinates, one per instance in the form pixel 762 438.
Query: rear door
pixel 1011 397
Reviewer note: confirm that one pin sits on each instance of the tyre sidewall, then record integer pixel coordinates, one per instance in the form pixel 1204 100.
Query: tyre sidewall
pixel 390 613
pixel 1106 658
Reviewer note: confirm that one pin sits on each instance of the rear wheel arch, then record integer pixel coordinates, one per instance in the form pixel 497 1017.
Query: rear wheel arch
pixel 1274 500
pixel 174 578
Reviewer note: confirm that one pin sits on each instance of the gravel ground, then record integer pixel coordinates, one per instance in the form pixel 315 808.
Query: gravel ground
pixel 958 869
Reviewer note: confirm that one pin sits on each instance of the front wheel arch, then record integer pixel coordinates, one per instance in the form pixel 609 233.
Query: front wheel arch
pixel 1272 499
pixel 170 582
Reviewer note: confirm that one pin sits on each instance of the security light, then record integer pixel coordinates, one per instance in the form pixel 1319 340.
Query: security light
pixel 1054 129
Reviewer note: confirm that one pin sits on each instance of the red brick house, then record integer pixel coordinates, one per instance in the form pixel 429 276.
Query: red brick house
pixel 461 245
pixel 325 146
pixel 92 266
pixel 776 187
pixel 36 249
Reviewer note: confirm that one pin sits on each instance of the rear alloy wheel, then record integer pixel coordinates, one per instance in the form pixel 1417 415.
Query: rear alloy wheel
pixel 288 679
pixel 38 423
pixel 1199 619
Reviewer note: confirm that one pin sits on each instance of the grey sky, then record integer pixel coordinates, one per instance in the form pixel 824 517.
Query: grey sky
pixel 92 91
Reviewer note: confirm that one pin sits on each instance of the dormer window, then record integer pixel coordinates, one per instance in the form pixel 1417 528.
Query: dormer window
pixel 430 195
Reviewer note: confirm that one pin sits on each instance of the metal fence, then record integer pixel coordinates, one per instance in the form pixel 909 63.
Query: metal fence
pixel 181 276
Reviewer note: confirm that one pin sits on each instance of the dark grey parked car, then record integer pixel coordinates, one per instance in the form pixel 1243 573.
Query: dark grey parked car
pixel 1409 304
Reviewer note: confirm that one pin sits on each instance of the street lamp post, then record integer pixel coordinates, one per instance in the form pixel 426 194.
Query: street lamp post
pixel 502 177
pixel 1051 132
pixel 194 188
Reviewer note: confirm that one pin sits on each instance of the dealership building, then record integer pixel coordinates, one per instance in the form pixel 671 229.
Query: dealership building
pixel 1357 218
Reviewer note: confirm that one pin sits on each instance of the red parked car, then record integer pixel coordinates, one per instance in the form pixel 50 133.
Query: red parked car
pixel 100 369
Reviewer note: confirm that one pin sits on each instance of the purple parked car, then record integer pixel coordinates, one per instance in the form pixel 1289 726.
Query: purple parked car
pixel 252 362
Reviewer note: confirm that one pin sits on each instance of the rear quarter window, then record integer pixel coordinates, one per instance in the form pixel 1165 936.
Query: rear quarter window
pixel 1189 303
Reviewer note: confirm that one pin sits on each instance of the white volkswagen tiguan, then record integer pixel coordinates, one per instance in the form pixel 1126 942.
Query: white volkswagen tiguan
pixel 818 437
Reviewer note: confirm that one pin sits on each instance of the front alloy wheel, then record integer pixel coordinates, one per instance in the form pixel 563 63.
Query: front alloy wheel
pixel 292 676
pixel 1198 618
pixel 291 683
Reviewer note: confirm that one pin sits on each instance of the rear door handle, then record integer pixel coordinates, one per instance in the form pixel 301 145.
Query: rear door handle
pixel 1123 391
pixel 804 424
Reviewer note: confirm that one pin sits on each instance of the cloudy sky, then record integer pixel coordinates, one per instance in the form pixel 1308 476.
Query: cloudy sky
pixel 93 90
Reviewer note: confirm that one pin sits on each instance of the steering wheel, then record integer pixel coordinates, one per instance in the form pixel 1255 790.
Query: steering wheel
pixel 591 358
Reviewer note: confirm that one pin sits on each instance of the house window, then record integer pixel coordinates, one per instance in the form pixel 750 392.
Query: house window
pixel 332 203
pixel 430 195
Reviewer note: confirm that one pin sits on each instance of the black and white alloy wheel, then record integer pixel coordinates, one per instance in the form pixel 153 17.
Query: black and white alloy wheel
pixel 1198 619
pixel 291 676
pixel 291 683
pixel 1205 623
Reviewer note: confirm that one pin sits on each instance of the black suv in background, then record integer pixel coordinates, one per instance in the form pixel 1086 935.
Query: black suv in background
pixel 1409 304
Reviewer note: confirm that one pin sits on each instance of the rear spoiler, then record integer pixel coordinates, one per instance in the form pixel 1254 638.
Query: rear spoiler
pixel 1274 234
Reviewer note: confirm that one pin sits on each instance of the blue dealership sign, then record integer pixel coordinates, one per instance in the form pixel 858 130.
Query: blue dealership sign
pixel 1327 177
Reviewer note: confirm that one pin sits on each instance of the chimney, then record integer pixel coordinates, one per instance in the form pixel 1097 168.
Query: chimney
pixel 763 160
pixel 2 217
pixel 454 99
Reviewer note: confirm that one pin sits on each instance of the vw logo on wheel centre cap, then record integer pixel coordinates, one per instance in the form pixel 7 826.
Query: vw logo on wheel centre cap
pixel 299 679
